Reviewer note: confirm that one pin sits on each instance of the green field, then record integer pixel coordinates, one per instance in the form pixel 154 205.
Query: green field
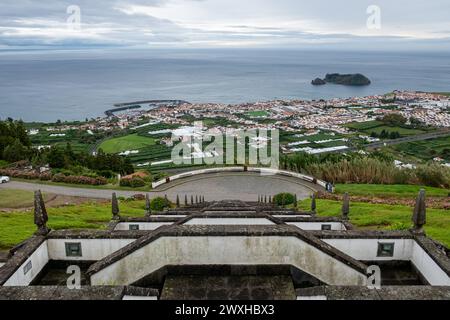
pixel 402 131
pixel 18 226
pixel 362 126
pixel 12 199
pixel 426 150
pixel 380 190
pixel 80 141
pixel 257 114
pixel 378 126
pixel 386 217
pixel 129 142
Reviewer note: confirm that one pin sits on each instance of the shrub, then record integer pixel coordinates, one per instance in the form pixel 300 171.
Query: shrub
pixel 159 204
pixel 284 199
pixel 79 180
pixel 434 175
pixel 108 174
pixel 132 182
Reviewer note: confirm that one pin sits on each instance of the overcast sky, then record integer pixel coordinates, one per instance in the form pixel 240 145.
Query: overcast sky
pixel 405 24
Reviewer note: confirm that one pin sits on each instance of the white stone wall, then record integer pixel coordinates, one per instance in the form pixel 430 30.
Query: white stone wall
pixel 336 226
pixel 38 261
pixel 291 216
pixel 229 221
pixel 148 226
pixel 428 268
pixel 92 249
pixel 367 249
pixel 227 251
pixel 404 250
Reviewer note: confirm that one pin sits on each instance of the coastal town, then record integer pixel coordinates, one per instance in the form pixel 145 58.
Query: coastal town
pixel 432 109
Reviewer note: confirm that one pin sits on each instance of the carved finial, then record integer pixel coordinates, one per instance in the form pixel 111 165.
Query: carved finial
pixel 265 199
pixel 40 214
pixel 346 206
pixel 148 208
pixel 295 201
pixel 192 199
pixel 420 213
pixel 185 200
pixel 115 207
pixel 178 201
pixel 203 199
pixel 270 199
pixel 196 199
pixel 313 203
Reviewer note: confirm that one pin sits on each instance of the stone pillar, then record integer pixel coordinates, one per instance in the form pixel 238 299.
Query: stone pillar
pixel 346 206
pixel 178 201
pixel 40 214
pixel 115 207
pixel 192 199
pixel 419 217
pixel 295 201
pixel 185 200
pixel 148 209
pixel 313 203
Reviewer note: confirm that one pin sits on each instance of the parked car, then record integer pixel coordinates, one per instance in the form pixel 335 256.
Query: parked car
pixel 4 179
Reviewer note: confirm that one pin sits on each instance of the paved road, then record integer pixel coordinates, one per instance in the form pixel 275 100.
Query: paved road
pixel 220 186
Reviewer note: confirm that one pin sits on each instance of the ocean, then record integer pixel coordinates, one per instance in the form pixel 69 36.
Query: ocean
pixel 46 86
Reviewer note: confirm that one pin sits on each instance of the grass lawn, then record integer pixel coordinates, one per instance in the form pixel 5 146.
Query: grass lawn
pixel 402 131
pixel 12 199
pixel 129 142
pixel 361 126
pixel 18 226
pixel 84 186
pixel 377 216
pixel 380 190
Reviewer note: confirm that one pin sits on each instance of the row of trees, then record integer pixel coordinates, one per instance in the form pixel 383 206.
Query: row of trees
pixel 102 163
pixel 384 134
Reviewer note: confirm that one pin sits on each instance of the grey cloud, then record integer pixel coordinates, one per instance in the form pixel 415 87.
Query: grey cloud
pixel 30 23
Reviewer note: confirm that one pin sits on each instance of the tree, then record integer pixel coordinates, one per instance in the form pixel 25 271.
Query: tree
pixel 394 119
pixel 55 158
pixel 15 152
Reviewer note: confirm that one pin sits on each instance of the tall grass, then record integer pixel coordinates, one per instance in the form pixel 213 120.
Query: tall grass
pixel 376 171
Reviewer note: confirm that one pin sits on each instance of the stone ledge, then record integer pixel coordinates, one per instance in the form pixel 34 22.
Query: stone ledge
pixel 63 293
pixel 97 234
pixel 362 234
pixel 19 257
pixel 385 293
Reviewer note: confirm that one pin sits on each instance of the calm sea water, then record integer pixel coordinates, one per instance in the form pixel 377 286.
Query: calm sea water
pixel 73 86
